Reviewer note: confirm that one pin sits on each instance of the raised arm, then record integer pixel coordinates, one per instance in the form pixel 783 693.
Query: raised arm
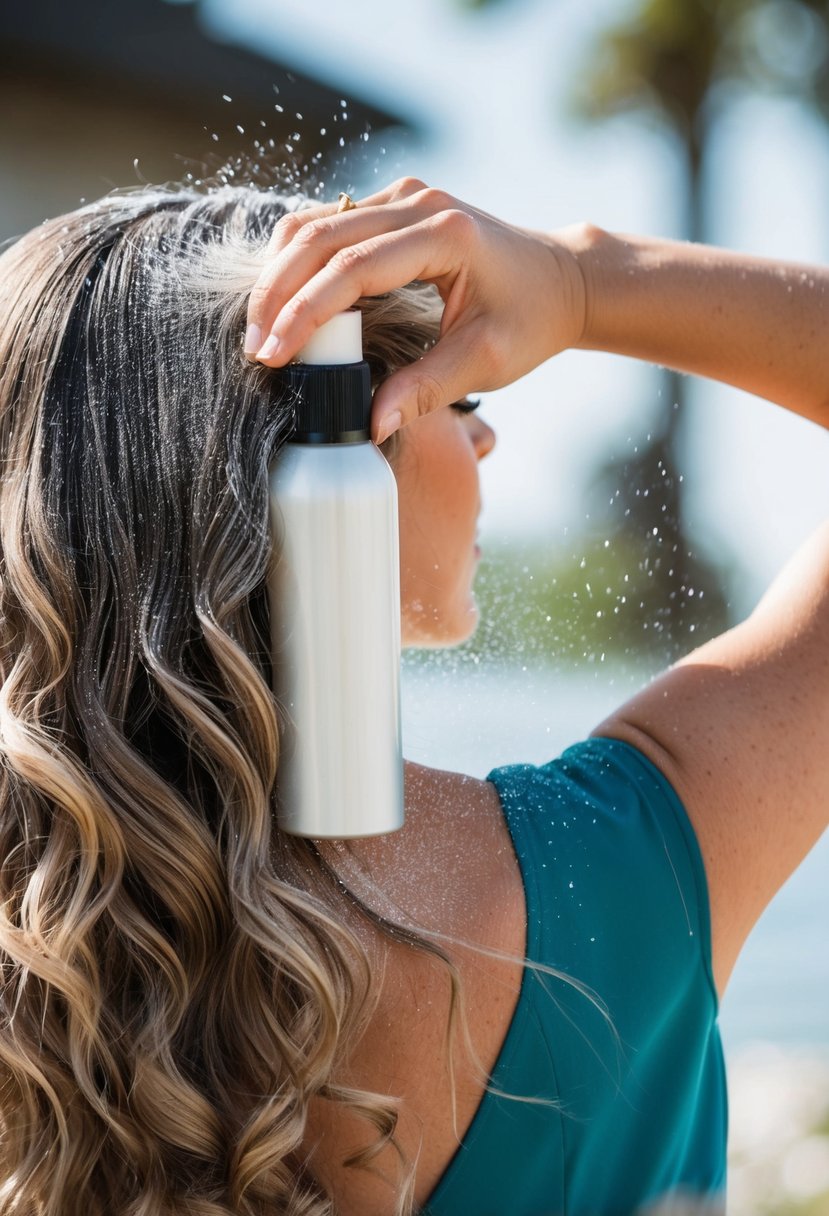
pixel 755 323
pixel 515 297
pixel 740 726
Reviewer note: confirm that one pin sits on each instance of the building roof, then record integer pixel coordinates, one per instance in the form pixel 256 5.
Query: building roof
pixel 163 53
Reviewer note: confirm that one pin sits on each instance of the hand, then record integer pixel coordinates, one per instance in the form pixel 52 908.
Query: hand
pixel 512 297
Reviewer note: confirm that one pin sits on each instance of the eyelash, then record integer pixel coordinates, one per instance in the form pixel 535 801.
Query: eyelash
pixel 466 406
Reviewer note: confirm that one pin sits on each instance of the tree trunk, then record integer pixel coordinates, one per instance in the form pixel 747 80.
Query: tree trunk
pixel 676 413
pixel 670 592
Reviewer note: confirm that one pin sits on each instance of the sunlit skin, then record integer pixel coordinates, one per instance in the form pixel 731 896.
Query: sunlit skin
pixel 439 500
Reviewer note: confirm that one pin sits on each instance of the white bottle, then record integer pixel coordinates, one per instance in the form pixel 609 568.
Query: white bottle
pixel 334 592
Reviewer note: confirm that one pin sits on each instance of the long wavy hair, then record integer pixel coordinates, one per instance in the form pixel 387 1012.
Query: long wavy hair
pixel 179 980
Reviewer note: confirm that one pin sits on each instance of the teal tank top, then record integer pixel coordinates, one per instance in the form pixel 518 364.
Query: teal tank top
pixel 616 900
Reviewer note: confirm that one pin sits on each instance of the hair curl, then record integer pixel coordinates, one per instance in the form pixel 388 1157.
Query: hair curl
pixel 140 736
pixel 178 977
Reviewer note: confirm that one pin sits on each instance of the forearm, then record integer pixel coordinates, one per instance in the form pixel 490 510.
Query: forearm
pixel 758 324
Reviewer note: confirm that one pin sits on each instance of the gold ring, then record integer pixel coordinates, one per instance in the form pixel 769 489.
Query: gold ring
pixel 346 203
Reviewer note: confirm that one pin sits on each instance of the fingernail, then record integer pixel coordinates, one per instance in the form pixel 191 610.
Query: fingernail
pixel 388 425
pixel 253 339
pixel 269 349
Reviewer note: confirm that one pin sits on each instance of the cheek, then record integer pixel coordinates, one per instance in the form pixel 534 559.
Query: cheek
pixel 454 484
pixel 437 498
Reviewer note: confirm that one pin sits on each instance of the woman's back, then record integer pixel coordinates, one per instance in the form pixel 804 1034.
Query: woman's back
pixel 618 1041
pixel 453 868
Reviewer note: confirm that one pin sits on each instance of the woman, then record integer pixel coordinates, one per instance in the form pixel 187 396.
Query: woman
pixel 737 729
pixel 202 1015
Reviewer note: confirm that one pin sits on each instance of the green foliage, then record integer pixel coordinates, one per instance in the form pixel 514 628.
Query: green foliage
pixel 602 600
pixel 661 59
pixel 667 57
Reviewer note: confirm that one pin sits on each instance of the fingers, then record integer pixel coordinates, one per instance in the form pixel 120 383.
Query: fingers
pixel 322 260
pixel 461 363
pixel 313 286
pixel 304 241
pixel 294 221
pixel 307 245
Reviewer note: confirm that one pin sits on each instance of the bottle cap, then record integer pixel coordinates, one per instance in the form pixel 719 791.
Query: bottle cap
pixel 330 384
pixel 339 340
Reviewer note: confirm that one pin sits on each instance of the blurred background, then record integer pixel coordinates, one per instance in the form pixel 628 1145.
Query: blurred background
pixel 629 513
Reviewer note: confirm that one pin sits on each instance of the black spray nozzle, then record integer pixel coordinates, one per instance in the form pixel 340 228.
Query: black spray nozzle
pixel 331 402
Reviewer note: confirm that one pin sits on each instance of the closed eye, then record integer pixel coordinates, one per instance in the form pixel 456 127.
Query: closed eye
pixel 466 406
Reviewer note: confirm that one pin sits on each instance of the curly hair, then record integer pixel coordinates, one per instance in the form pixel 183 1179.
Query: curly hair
pixel 140 737
pixel 178 977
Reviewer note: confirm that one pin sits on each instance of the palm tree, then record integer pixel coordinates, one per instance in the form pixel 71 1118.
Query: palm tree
pixel 662 63
pixel 680 63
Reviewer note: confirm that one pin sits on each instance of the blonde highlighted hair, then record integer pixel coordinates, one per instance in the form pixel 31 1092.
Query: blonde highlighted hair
pixel 178 979
pixel 176 983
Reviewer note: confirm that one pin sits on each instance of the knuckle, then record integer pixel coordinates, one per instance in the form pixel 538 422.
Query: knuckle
pixel 436 200
pixel 260 299
pixel 259 294
pixel 404 186
pixel 290 223
pixel 296 308
pixel 428 395
pixel 490 353
pixel 313 233
pixel 284 231
pixel 458 225
pixel 351 258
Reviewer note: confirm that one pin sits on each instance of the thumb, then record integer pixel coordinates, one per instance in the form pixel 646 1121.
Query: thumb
pixel 447 373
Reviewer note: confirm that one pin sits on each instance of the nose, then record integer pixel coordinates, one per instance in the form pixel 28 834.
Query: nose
pixel 484 438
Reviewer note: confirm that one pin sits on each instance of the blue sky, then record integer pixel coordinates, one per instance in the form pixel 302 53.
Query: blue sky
pixel 492 87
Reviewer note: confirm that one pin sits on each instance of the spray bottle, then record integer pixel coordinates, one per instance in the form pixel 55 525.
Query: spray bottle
pixel 334 592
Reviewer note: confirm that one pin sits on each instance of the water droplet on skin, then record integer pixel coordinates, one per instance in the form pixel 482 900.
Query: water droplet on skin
pixel 225 97
pixel 240 128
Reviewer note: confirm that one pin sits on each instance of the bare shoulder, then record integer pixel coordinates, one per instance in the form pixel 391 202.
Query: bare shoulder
pixel 450 869
pixel 740 727
pixel 453 848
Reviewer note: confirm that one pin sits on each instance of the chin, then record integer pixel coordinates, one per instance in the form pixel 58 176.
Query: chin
pixel 450 630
